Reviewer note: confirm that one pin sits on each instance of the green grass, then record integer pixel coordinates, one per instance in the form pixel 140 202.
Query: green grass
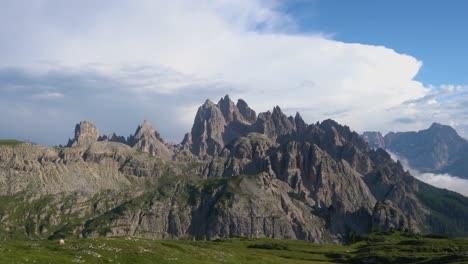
pixel 375 248
pixel 9 142
pixel 399 247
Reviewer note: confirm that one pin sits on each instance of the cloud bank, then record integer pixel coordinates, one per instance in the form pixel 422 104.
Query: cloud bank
pixel 445 181
pixel 119 62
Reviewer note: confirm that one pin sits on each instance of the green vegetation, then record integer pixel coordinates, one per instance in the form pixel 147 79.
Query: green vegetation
pixel 449 214
pixel 185 191
pixel 50 216
pixel 9 142
pixel 375 248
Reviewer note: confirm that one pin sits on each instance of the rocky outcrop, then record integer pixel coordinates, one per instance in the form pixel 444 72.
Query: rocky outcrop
pixel 387 216
pixel 329 169
pixel 85 133
pixel 90 169
pixel 217 124
pixel 207 131
pixel 374 139
pixel 274 124
pixel 146 139
pixel 112 137
pixel 247 113
pixel 269 176
pixel 301 125
pixel 261 207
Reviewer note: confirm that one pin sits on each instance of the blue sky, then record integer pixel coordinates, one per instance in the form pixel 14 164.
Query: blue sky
pixel 372 65
pixel 435 32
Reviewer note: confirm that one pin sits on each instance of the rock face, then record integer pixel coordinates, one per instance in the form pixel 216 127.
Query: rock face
pixel 112 137
pixel 438 149
pixel 247 113
pixel 85 133
pixel 236 175
pixel 332 171
pixel 217 124
pixel 374 139
pixel 274 124
pixel 146 139
pixel 84 168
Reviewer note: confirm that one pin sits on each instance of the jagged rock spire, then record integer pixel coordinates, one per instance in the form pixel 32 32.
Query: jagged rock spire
pixel 300 123
pixel 207 130
pixel 248 113
pixel 85 133
pixel 216 125
pixel 275 123
pixel 147 139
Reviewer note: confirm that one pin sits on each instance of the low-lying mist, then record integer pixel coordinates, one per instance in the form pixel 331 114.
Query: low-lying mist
pixel 445 181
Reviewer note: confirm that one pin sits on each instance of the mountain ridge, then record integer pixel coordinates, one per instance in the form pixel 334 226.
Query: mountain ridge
pixel 437 149
pixel 233 175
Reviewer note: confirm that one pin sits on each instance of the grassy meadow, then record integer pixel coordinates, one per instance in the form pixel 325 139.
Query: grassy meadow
pixel 376 248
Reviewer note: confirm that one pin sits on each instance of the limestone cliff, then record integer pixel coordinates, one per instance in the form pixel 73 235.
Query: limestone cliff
pixel 146 139
pixel 85 133
pixel 236 174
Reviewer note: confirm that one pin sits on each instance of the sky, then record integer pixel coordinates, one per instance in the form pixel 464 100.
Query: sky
pixel 372 65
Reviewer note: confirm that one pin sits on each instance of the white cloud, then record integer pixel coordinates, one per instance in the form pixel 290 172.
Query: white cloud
pixel 146 51
pixel 447 104
pixel 48 95
pixel 444 181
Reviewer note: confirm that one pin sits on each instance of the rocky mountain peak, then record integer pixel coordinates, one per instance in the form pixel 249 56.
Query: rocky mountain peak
pixel 443 131
pixel 248 114
pixel 436 125
pixel 218 124
pixel 85 133
pixel 277 110
pixel 229 109
pixel 275 123
pixel 283 179
pixel 207 130
pixel 113 137
pixel 437 149
pixel 300 123
pixel 232 113
pixel 147 139
pixel 374 139
pixel 215 125
pixel 225 102
pixel 147 130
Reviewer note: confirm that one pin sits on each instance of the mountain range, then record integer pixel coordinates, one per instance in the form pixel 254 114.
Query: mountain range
pixel 437 149
pixel 235 174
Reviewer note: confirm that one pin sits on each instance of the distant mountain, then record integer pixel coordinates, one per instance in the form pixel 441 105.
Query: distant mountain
pixel 438 149
pixel 235 174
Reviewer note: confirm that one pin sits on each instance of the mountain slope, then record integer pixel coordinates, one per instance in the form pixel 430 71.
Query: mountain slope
pixel 239 176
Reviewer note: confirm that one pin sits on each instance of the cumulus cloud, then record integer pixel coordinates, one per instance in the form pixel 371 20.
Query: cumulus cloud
pixel 116 62
pixel 445 181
